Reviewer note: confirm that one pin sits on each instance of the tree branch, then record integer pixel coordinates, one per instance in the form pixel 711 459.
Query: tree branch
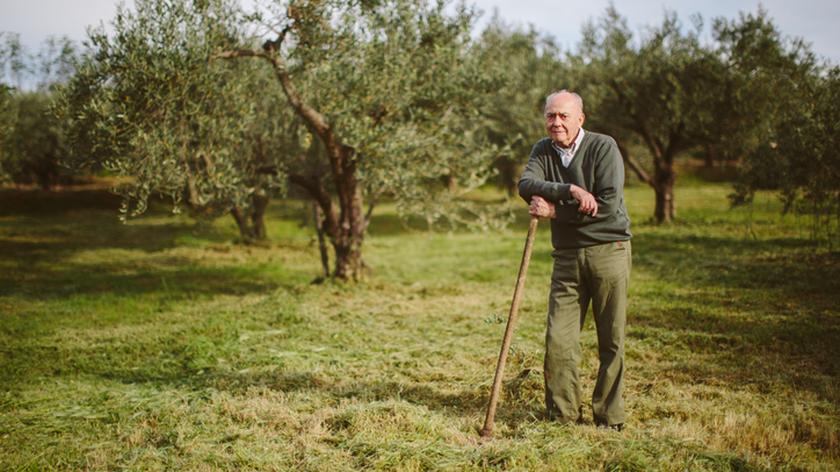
pixel 234 53
pixel 647 136
pixel 369 213
pixel 676 139
pixel 316 121
pixel 312 185
pixel 634 165
pixel 312 116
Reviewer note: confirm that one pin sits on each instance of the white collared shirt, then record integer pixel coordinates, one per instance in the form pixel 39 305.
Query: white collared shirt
pixel 566 154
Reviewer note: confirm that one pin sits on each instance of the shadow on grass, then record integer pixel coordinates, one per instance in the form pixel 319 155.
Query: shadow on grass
pixel 39 266
pixel 42 233
pixel 44 203
pixel 174 278
pixel 759 313
pixel 60 238
pixel 767 274
pixel 763 311
pixel 50 226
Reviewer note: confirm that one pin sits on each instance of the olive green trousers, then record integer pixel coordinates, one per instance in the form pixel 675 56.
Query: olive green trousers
pixel 598 275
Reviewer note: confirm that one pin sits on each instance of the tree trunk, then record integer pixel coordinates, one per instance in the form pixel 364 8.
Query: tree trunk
pixel 632 164
pixel 664 179
pixel 322 244
pixel 245 231
pixel 450 182
pixel 509 174
pixel 346 231
pixel 349 236
pixel 259 203
pixel 344 228
pixel 710 156
pixel 348 258
pixel 45 180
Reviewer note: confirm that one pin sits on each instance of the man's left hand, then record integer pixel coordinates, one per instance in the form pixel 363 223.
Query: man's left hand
pixel 541 208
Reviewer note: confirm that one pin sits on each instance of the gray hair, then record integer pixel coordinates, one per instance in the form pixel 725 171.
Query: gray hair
pixel 577 97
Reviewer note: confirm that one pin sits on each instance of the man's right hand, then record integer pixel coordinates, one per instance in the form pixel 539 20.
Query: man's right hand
pixel 587 202
pixel 541 208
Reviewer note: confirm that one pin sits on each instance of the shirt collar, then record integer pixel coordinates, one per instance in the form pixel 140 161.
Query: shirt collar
pixel 571 149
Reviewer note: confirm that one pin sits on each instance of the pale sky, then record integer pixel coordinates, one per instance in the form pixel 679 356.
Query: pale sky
pixel 814 20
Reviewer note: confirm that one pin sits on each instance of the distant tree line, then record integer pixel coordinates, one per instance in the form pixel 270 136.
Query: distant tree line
pixel 742 98
pixel 32 138
pixel 350 102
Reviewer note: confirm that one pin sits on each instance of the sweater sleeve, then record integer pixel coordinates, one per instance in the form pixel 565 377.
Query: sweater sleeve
pixel 533 181
pixel 608 185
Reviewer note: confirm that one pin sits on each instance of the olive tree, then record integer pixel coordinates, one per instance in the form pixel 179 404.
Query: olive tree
pixel 7 122
pixel 726 98
pixel 148 103
pixel 794 98
pixel 780 119
pixel 658 90
pixel 529 67
pixel 392 92
pixel 9 47
pixel 35 146
pixel 32 142
pixel 813 160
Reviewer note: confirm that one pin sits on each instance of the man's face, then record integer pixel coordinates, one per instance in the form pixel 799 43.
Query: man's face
pixel 563 119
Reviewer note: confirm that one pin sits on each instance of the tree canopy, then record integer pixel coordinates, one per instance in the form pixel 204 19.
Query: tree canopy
pixel 32 142
pixel 378 99
pixel 392 92
pixel 355 101
pixel 148 103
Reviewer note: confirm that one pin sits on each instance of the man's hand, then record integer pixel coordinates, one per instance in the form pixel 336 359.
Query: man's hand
pixel 587 202
pixel 540 207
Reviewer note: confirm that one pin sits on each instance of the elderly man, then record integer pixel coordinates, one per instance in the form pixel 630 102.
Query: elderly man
pixel 576 178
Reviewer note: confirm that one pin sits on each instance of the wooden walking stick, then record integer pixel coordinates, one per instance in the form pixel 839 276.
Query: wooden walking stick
pixel 487 431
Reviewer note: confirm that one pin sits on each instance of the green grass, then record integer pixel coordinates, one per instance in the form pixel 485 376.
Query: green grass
pixel 161 345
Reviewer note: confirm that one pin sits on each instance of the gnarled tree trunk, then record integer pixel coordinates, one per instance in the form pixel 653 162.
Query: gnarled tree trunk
pixel 345 228
pixel 710 155
pixel 662 182
pixel 259 203
pixel 665 211
pixel 251 224
pixel 351 228
pixel 509 170
pixel 245 232
pixel 664 178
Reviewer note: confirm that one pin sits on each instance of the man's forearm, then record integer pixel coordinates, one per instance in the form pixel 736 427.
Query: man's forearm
pixel 554 192
pixel 609 179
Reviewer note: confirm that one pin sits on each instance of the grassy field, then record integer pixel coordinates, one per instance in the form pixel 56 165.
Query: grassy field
pixel 161 345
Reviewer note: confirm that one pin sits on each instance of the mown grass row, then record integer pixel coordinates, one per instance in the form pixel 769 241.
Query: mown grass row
pixel 162 345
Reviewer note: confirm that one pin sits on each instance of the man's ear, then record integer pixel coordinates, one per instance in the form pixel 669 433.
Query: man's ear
pixel 582 117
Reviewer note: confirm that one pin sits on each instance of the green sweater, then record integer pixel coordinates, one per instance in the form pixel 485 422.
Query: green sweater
pixel 598 168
